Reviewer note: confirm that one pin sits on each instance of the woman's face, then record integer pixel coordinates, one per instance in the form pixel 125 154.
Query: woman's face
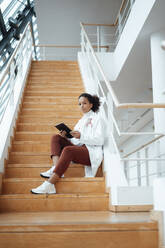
pixel 84 104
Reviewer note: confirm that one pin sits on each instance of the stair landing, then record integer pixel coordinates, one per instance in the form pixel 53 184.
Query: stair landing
pixel 78 229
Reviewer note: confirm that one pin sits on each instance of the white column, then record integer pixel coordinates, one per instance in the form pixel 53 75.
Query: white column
pixel 158 78
pixel 158 84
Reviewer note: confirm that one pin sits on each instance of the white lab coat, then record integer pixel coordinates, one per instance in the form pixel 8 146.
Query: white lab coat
pixel 92 129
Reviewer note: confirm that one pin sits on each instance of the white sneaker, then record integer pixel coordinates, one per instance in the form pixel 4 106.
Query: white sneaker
pixel 48 173
pixel 45 188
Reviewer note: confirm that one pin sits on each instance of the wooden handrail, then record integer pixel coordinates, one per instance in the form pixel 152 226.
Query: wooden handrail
pixel 141 147
pixel 65 46
pixel 58 46
pixel 94 24
pixel 141 105
pixel 114 97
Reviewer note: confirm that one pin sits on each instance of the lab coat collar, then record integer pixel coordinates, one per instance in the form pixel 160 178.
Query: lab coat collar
pixel 88 114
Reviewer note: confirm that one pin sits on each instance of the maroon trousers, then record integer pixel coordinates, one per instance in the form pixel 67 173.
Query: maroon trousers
pixel 67 152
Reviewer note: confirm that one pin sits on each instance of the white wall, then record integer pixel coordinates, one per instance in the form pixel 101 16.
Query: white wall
pixel 158 76
pixel 59 21
pixel 107 62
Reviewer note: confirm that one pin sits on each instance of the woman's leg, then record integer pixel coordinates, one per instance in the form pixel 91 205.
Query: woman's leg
pixel 70 153
pixel 77 154
pixel 57 144
pixel 55 160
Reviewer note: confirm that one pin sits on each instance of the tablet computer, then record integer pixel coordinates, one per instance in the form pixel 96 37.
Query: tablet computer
pixel 63 127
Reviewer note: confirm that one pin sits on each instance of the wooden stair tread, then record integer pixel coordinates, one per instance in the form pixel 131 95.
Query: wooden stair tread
pixel 43 109
pixel 30 153
pixel 56 115
pixel 53 196
pixel 30 141
pixel 57 97
pixel 30 132
pixel 57 81
pixel 53 91
pixel 67 179
pixel 47 103
pixel 77 221
pixel 34 124
pixel 39 165
pixel 53 86
pixel 64 201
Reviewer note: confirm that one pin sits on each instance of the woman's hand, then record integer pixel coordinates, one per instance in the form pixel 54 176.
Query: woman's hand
pixel 63 134
pixel 76 134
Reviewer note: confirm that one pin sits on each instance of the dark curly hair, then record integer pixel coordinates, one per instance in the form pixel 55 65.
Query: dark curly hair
pixel 92 99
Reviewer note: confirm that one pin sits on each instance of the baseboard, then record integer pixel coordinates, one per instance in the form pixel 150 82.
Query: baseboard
pixel 131 208
pixel 158 216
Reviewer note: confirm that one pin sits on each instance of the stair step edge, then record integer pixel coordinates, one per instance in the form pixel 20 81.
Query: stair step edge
pixel 67 179
pixel 39 166
pixel 77 227
pixel 53 196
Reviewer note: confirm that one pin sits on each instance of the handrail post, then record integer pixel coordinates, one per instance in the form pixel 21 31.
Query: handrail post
pixel 119 24
pixel 110 104
pixel 138 170
pixel 146 166
pixel 159 171
pixel 21 60
pixel 131 3
pixel 98 38
pixel 44 53
pixel 82 41
pixel 126 171
pixel 11 83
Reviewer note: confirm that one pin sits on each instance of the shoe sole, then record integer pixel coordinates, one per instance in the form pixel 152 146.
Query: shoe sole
pixel 44 176
pixel 48 177
pixel 42 193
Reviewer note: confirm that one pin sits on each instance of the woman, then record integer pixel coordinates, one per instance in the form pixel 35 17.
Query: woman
pixel 84 148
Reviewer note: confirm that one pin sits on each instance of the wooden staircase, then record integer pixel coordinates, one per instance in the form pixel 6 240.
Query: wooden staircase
pixel 78 215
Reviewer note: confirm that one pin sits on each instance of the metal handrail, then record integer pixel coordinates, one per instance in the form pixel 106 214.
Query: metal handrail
pixel 4 73
pixel 120 10
pixel 5 99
